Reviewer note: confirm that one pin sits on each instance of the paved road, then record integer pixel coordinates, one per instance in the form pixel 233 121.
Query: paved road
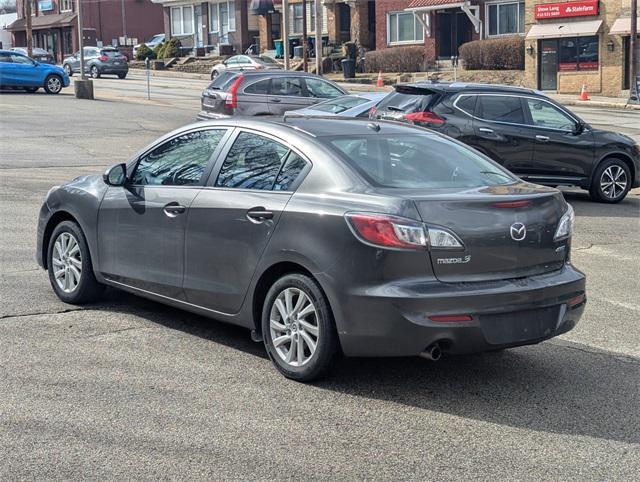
pixel 128 388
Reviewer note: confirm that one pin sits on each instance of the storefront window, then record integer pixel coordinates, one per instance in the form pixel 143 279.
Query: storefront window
pixel 578 53
pixel 506 18
pixel 404 28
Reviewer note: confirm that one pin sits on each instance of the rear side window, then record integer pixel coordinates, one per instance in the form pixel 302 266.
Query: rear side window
pixel 500 108
pixel 406 101
pixel 418 162
pixel 252 163
pixel 260 87
pixel 466 103
pixel 292 168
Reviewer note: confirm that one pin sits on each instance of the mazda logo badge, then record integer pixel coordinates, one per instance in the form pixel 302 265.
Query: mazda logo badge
pixel 518 231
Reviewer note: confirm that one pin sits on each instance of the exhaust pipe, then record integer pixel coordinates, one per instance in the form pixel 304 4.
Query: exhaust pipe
pixel 433 352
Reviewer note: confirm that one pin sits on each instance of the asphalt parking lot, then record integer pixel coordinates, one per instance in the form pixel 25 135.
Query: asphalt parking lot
pixel 128 388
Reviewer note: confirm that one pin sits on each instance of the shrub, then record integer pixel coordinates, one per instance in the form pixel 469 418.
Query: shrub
pixel 157 50
pixel 493 54
pixel 168 49
pixel 396 59
pixel 144 52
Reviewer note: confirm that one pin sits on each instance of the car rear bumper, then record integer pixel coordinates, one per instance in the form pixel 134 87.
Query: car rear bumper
pixel 114 69
pixel 394 320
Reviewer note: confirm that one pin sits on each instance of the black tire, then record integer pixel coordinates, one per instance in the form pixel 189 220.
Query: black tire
pixel 53 84
pixel 69 71
pixel 327 346
pixel 601 188
pixel 87 288
pixel 31 90
pixel 94 72
pixel 122 76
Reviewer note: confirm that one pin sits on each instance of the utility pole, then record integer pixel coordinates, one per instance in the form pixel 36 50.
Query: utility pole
pixel 633 91
pixel 124 21
pixel 27 14
pixel 305 41
pixel 83 87
pixel 80 38
pixel 285 33
pixel 318 29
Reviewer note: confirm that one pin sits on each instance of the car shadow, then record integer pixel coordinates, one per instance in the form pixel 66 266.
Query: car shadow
pixel 557 387
pixel 584 206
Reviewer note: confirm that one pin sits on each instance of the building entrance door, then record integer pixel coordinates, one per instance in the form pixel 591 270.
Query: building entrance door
pixel 453 30
pixel 198 26
pixel 548 62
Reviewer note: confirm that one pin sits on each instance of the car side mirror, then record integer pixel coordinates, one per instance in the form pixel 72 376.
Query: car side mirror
pixel 578 128
pixel 115 175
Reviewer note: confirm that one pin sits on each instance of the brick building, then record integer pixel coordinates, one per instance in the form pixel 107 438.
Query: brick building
pixel 571 43
pixel 55 25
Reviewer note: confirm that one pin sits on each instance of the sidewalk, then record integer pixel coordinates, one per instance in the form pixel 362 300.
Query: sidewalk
pixel 565 99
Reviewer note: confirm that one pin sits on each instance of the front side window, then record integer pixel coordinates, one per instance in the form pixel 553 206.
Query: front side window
pixel 252 163
pixel 544 114
pixel 578 53
pixel 180 161
pixel 404 28
pixel 21 59
pixel 339 105
pixel 506 18
pixel 288 86
pixel 499 108
pixel 418 162
pixel 320 88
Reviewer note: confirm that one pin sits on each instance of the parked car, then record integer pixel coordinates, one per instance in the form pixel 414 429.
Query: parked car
pixel 97 62
pixel 259 92
pixel 153 42
pixel 245 62
pixel 41 55
pixel 323 236
pixel 351 105
pixel 525 131
pixel 19 71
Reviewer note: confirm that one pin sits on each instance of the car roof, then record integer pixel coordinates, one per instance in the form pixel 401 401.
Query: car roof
pixel 467 86
pixel 276 72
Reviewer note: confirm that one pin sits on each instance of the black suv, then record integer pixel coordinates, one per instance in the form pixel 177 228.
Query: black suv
pixel 525 131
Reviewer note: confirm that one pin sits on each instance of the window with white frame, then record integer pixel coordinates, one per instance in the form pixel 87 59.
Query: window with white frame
pixel 66 5
pixel 403 27
pixel 222 17
pixel 505 18
pixel 182 20
pixel 296 24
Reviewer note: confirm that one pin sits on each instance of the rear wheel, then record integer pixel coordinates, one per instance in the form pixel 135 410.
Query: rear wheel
pixel 298 329
pixel 68 70
pixel 53 84
pixel 69 265
pixel 94 72
pixel 122 76
pixel 611 181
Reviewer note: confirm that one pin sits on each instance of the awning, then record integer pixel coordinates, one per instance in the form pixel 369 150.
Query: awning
pixel 43 22
pixel 571 29
pixel 622 26
pixel 426 5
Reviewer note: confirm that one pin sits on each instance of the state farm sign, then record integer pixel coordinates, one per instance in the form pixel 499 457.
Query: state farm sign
pixel 566 9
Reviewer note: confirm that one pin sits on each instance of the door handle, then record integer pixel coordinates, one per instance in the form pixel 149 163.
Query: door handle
pixel 486 130
pixel 173 209
pixel 542 138
pixel 276 100
pixel 259 214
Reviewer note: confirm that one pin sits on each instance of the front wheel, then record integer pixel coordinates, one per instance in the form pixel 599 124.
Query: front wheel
pixel 122 76
pixel 53 84
pixel 298 328
pixel 69 265
pixel 95 73
pixel 611 181
pixel 68 70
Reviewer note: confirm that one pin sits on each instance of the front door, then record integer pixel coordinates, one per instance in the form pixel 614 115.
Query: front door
pixel 454 29
pixel 287 93
pixel 198 26
pixel 141 225
pixel 548 64
pixel 232 220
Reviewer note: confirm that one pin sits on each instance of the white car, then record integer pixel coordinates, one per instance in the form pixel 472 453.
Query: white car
pixel 154 41
pixel 245 62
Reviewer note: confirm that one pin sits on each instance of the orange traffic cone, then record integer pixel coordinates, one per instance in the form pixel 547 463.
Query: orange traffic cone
pixel 584 93
pixel 380 82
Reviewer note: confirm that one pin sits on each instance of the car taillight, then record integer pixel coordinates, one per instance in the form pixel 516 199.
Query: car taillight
pixel 387 231
pixel 103 58
pixel 451 318
pixel 426 117
pixel 232 101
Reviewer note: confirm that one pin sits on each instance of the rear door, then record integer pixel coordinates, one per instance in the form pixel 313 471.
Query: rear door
pixel 562 150
pixel 7 71
pixel 141 225
pixel 254 98
pixel 232 219
pixel 287 93
pixel 500 131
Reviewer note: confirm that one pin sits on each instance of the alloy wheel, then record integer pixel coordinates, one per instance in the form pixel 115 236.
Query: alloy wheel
pixel 294 327
pixel 613 181
pixel 67 69
pixel 67 262
pixel 54 84
pixel 94 72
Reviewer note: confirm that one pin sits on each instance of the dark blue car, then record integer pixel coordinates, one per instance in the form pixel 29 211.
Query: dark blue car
pixel 19 71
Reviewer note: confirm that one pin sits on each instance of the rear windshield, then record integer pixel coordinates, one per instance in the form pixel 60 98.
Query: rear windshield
pixel 336 106
pixel 224 81
pixel 110 53
pixel 267 60
pixel 418 161
pixel 407 101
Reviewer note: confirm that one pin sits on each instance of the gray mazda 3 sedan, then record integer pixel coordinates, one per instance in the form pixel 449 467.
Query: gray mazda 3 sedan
pixel 323 236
